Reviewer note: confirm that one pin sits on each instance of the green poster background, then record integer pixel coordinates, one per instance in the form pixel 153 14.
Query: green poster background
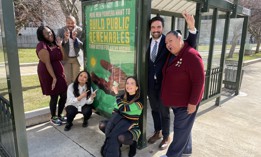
pixel 110 48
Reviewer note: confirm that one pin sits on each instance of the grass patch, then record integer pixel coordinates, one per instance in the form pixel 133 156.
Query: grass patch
pixel 245 58
pixel 216 47
pixel 32 93
pixel 27 55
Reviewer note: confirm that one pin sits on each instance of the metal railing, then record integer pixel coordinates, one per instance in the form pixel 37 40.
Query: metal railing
pixel 213 85
pixel 6 129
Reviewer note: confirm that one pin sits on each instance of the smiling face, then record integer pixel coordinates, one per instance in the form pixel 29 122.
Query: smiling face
pixel 48 35
pixel 156 29
pixel 82 79
pixel 131 86
pixel 174 43
pixel 70 23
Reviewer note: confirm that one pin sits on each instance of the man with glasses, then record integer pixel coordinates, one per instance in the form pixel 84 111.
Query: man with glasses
pixel 157 55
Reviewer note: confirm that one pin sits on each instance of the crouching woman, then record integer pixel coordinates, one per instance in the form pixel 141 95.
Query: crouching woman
pixel 123 126
pixel 80 97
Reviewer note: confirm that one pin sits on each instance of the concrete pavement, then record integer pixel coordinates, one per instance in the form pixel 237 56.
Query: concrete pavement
pixel 231 130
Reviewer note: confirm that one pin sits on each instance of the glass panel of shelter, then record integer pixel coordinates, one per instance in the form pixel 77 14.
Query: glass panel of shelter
pixel 3 79
pixel 204 36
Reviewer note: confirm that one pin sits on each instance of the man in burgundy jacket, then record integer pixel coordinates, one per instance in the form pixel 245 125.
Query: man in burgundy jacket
pixel 182 89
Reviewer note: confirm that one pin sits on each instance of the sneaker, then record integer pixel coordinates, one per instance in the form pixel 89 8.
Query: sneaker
pixel 157 135
pixel 55 121
pixel 63 119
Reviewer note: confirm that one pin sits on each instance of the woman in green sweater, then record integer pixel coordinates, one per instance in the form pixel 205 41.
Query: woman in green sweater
pixel 123 126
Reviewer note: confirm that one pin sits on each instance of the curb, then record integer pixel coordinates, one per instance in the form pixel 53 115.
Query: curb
pixel 246 63
pixel 28 64
pixel 37 116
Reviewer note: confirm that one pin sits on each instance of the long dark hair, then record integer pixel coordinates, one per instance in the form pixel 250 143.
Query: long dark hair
pixel 137 94
pixel 40 35
pixel 76 84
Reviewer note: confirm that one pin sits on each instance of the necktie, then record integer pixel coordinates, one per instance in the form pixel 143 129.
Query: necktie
pixel 70 34
pixel 154 52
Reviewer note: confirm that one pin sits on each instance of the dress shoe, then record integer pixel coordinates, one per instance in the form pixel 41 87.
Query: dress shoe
pixel 164 143
pixel 157 135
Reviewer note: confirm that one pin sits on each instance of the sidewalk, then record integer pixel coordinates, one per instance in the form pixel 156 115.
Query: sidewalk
pixel 232 130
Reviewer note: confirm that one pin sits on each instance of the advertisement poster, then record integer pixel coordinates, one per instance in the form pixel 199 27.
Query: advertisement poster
pixel 110 48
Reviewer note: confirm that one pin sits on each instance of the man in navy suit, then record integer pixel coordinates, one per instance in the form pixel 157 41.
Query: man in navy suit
pixel 157 55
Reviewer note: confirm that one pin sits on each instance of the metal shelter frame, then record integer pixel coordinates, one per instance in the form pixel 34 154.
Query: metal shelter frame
pixel 13 138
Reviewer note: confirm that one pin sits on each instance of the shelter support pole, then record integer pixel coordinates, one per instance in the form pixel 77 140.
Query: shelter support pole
pixel 222 58
pixel 144 11
pixel 14 79
pixel 211 51
pixel 241 55
pixel 198 20
pixel 173 22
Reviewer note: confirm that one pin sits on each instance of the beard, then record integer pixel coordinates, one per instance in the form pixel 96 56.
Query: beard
pixel 156 35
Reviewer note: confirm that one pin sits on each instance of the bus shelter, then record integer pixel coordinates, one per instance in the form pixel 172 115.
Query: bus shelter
pixel 116 39
pixel 117 36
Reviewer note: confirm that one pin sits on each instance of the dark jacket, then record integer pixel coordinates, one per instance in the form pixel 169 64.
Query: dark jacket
pixel 156 67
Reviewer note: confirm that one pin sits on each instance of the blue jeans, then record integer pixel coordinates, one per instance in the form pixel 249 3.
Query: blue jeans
pixel 183 123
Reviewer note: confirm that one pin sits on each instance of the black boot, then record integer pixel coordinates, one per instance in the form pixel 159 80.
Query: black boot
pixel 68 126
pixel 85 123
pixel 102 149
pixel 132 151
pixel 120 152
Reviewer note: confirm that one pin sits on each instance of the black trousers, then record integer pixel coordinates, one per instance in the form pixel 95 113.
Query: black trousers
pixel 116 126
pixel 160 113
pixel 72 111
pixel 61 103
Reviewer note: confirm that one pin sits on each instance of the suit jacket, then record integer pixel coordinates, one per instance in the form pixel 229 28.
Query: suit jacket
pixel 156 67
pixel 78 44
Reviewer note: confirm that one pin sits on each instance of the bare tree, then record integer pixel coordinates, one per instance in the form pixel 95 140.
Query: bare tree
pixel 41 12
pixel 237 27
pixel 69 8
pixel 254 26
pixel 34 11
